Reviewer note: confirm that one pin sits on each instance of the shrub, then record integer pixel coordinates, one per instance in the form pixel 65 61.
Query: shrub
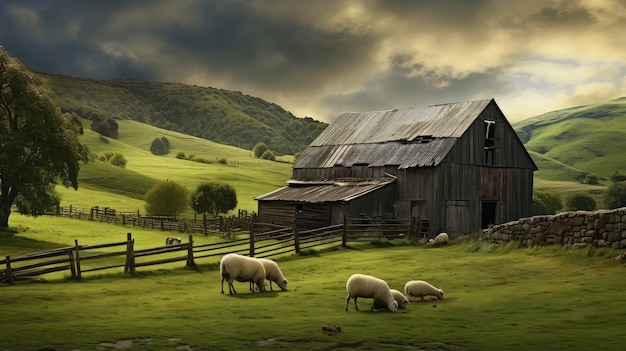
pixel 160 147
pixel 260 149
pixel 268 155
pixel 615 195
pixel 222 161
pixel 618 176
pixel 546 202
pixel 180 155
pixel 118 160
pixel 166 199
pixel 580 201
pixel 591 179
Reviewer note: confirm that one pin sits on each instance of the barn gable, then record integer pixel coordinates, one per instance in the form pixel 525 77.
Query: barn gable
pixel 459 165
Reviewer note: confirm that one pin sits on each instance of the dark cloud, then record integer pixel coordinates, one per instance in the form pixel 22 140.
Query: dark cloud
pixel 321 57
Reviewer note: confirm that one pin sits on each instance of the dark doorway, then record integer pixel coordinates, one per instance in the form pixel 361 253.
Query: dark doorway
pixel 489 213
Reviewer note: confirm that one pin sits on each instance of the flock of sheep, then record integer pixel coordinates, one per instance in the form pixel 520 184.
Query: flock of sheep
pixel 235 267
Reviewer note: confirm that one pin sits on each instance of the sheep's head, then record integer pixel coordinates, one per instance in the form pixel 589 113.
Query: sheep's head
pixel 282 284
pixel 393 307
pixel 440 295
pixel 403 304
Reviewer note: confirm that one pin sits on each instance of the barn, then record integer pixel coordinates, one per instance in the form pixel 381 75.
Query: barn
pixel 458 167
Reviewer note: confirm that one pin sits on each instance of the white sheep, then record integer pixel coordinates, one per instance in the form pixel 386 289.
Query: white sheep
pixel 273 273
pixel 361 285
pixel 440 239
pixel 171 241
pixel 402 301
pixel 420 288
pixel 242 269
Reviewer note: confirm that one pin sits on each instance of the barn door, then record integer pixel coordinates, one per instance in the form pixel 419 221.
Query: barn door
pixel 457 217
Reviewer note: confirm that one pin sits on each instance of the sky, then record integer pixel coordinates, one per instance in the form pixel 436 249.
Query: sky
pixel 319 58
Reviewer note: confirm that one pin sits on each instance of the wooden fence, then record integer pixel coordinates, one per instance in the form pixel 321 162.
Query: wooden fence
pixel 240 222
pixel 265 240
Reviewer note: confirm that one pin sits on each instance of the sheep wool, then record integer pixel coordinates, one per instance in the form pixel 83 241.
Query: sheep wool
pixel 273 274
pixel 420 288
pixel 361 285
pixel 242 269
pixel 440 239
pixel 402 301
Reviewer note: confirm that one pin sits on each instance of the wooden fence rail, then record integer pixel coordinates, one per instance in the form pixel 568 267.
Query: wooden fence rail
pixel 80 259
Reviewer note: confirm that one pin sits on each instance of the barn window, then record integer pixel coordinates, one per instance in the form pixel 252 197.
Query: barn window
pixel 490 142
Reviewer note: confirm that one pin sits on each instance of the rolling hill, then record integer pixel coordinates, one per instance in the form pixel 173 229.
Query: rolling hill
pixel 223 116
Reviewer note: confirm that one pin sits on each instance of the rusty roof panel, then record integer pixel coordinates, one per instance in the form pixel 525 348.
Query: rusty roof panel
pixel 340 190
pixel 438 121
pixel 404 155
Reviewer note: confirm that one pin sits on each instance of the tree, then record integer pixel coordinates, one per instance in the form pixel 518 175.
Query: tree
pixel 615 195
pixel 38 144
pixel 268 155
pixel 214 198
pixel 160 146
pixel 118 160
pixel 580 201
pixel 259 149
pixel 546 202
pixel 618 176
pixel 166 199
pixel 591 179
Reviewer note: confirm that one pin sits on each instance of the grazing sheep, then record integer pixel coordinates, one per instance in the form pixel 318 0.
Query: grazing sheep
pixel 361 285
pixel 242 269
pixel 171 241
pixel 402 301
pixel 273 274
pixel 420 288
pixel 440 239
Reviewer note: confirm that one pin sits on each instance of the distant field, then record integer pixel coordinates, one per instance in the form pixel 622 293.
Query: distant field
pixel 106 185
pixel 496 298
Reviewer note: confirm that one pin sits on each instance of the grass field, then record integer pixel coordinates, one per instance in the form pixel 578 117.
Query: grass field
pixel 497 298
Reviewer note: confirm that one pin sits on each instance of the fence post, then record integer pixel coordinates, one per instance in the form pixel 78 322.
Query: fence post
pixel 8 270
pixel 204 222
pixel 344 234
pixel 70 253
pixel 296 239
pixel 130 254
pixel 77 259
pixel 190 261
pixel 251 242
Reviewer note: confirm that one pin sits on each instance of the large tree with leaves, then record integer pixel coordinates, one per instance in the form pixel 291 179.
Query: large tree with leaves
pixel 39 146
pixel 166 198
pixel 214 198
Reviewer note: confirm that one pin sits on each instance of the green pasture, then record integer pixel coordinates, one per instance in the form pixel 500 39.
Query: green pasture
pixel 497 298
pixel 105 185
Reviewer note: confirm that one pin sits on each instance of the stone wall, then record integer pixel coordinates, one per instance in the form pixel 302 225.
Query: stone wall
pixel 602 228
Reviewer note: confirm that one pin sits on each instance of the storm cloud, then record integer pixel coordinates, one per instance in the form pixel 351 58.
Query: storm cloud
pixel 319 58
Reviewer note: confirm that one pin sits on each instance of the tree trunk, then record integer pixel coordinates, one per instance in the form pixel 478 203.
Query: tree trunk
pixel 5 212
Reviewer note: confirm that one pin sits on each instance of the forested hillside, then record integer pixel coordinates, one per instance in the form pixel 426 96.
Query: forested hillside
pixel 222 116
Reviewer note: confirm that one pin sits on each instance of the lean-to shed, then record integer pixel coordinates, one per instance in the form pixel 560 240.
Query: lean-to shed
pixel 460 166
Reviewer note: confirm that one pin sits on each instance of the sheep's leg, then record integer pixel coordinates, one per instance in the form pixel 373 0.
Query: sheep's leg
pixel 272 289
pixel 355 305
pixel 347 302
pixel 231 287
pixel 222 284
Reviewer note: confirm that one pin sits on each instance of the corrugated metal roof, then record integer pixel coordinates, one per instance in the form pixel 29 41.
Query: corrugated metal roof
pixel 438 121
pixel 414 137
pixel 335 191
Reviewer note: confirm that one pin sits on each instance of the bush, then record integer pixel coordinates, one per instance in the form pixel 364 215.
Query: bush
pixel 546 202
pixel 160 146
pixel 166 199
pixel 580 201
pixel 615 195
pixel 618 176
pixel 591 179
pixel 268 155
pixel 118 160
pixel 180 155
pixel 222 161
pixel 260 149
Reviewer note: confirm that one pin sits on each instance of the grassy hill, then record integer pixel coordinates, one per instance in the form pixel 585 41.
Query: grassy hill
pixel 577 141
pixel 223 116
pixel 103 184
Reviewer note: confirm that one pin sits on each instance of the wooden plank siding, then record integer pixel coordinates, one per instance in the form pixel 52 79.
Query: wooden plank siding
pixel 461 166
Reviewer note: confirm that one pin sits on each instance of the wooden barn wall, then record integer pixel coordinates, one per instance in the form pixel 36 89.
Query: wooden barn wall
pixel 286 213
pixel 378 203
pixel 509 151
pixel 337 172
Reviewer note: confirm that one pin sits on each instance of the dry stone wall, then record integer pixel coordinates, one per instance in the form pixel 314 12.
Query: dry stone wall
pixel 603 228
